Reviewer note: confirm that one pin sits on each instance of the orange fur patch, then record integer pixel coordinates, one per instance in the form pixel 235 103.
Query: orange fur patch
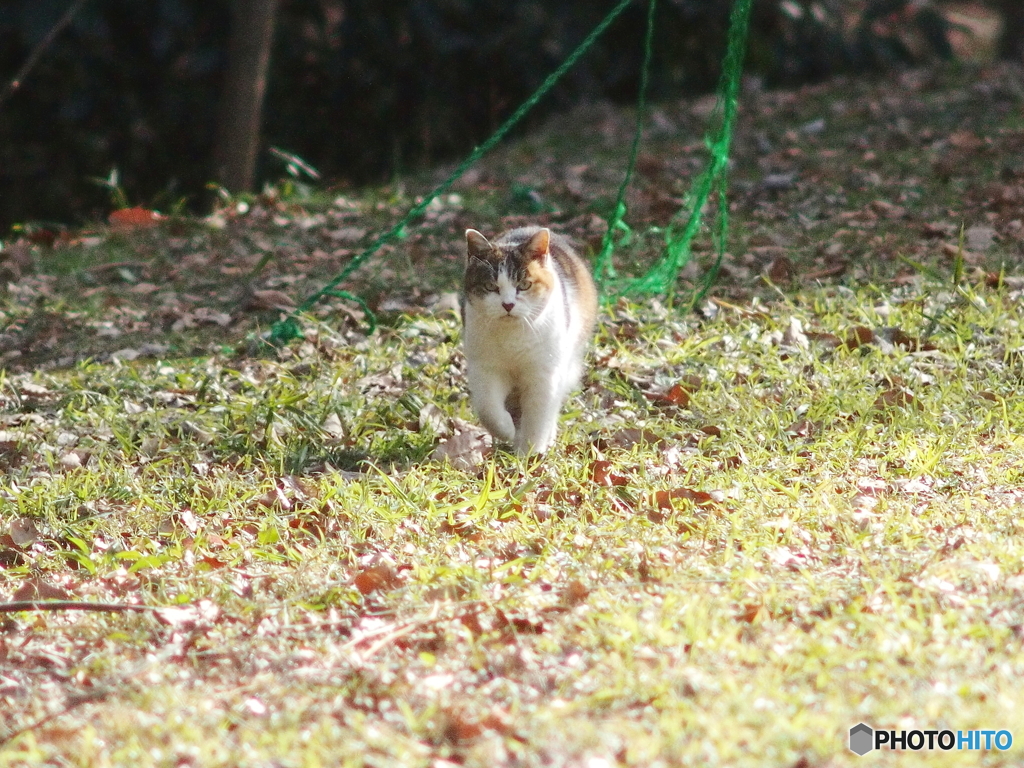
pixel 542 278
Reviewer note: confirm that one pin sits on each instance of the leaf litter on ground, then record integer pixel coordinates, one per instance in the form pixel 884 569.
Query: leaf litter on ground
pixel 789 512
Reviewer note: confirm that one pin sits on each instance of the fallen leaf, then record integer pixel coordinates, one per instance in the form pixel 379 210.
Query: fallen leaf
pixel 858 336
pixel 887 209
pixel 313 524
pixel 433 419
pixel 678 395
pixel 837 267
pixel 803 428
pixel 466 450
pixel 375 578
pixel 35 588
pixel 347 234
pixel 664 499
pixel 794 335
pixel 460 525
pixel 780 270
pixel 754 613
pixel 965 140
pixel 333 428
pixel 938 229
pixel 517 625
pixel 980 238
pixel 270 299
pixel 134 218
pixel 601 471
pixel 75 459
pixel 629 437
pixel 211 316
pixel 899 338
pixel 23 531
pixel 894 397
pixel 575 592
pixel 275 497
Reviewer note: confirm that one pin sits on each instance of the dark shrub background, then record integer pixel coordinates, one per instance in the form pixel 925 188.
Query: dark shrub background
pixel 361 89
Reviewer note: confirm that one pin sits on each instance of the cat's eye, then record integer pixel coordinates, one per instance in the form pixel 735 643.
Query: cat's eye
pixel 523 285
pixel 491 287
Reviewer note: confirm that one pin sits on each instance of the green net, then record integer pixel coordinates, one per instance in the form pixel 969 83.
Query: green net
pixel 661 277
pixel 618 232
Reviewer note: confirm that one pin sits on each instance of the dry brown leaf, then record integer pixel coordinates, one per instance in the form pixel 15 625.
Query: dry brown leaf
pixel 678 395
pixel 460 525
pixel 859 336
pixel 275 497
pixel 664 499
pixel 270 299
pixel 629 437
pixel 754 613
pixel 894 397
pixel 601 471
pixel 803 428
pixel 780 270
pixel 466 450
pixel 134 218
pixel 965 140
pixel 35 588
pixel 375 578
pixel 24 532
pixel 575 592
pixel 828 339
pixel 433 419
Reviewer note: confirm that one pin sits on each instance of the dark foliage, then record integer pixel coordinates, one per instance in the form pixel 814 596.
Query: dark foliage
pixel 361 89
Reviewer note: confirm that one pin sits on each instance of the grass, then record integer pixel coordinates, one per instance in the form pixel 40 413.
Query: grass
pixel 763 523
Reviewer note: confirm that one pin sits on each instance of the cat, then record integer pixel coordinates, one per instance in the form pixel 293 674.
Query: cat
pixel 529 310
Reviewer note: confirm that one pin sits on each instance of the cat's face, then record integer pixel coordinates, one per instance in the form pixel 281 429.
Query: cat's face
pixel 512 280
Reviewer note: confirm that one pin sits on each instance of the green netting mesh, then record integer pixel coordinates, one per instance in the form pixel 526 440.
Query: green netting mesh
pixel 618 232
pixel 661 278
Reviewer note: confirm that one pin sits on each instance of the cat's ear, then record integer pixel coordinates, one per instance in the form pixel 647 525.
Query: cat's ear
pixel 537 246
pixel 477 246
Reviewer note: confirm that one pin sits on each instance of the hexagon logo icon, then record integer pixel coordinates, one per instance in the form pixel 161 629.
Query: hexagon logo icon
pixel 862 739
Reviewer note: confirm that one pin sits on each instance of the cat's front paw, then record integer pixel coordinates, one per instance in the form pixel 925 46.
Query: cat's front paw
pixel 528 445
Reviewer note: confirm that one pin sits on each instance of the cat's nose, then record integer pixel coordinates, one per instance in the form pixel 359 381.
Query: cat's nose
pixel 507 305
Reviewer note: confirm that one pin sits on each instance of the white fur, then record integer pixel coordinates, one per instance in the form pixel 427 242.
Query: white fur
pixel 530 349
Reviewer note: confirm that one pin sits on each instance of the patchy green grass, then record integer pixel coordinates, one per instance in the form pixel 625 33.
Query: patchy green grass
pixel 821 535
pixel 764 522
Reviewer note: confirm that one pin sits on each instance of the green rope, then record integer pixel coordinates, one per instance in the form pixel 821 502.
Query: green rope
pixel 603 267
pixel 371 319
pixel 662 276
pixel 287 329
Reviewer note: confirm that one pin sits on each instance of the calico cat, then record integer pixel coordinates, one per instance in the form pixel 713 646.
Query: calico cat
pixel 529 308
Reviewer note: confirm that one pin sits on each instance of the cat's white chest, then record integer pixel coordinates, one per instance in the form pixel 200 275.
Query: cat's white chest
pixel 510 344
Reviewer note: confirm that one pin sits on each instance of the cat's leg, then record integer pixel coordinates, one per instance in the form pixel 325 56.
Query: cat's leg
pixel 487 394
pixel 541 404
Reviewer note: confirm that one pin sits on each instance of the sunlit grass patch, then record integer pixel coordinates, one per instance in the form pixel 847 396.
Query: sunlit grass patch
pixel 758 528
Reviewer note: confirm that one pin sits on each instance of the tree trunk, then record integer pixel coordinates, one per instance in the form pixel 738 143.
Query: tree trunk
pixel 238 128
pixel 1011 46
